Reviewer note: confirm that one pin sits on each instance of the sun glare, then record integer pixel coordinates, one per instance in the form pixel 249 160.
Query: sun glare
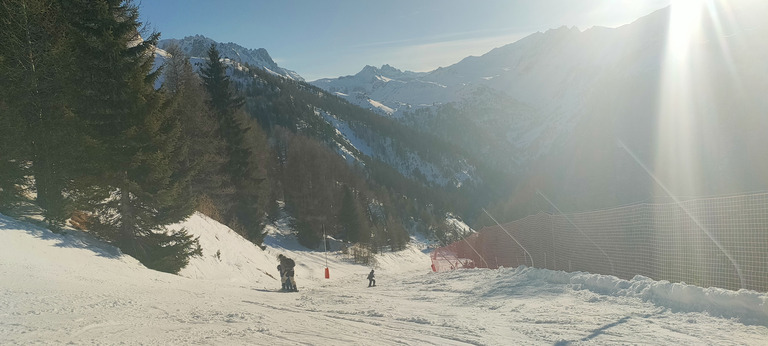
pixel 676 148
pixel 684 22
pixel 684 115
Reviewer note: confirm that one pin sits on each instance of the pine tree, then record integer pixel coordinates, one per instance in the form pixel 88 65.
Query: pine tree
pixel 226 105
pixel 204 153
pixel 252 191
pixel 352 220
pixel 130 180
pixel 398 236
pixel 37 131
pixel 15 152
pixel 246 150
pixel 222 97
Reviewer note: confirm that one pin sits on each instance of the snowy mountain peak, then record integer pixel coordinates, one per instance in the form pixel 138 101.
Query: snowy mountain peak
pixel 564 30
pixel 197 46
pixel 389 69
pixel 367 72
pixel 385 71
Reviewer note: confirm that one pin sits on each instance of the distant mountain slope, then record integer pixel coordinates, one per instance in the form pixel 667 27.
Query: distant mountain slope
pixel 513 102
pixel 197 46
pixel 359 135
pixel 558 111
pixel 386 89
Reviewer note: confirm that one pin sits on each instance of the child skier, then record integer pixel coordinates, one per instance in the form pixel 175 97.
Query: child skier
pixel 281 269
pixel 371 280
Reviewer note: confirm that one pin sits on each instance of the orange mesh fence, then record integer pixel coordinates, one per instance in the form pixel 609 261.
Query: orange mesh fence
pixel 712 242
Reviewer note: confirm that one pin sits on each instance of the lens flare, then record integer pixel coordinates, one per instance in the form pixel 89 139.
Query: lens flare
pixel 677 123
pixel 687 124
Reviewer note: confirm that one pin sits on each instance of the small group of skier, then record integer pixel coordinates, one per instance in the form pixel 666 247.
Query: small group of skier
pixel 286 273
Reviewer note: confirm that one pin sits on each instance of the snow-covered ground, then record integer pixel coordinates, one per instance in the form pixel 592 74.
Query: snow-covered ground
pixel 72 289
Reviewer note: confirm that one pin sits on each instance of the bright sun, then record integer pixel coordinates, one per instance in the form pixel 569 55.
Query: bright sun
pixel 683 25
pixel 683 113
pixel 680 94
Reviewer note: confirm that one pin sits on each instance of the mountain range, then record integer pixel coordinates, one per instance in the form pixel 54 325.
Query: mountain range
pixel 574 115
pixel 198 45
pixel 578 114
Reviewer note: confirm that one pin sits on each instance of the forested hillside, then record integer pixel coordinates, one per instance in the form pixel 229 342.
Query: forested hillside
pixel 89 138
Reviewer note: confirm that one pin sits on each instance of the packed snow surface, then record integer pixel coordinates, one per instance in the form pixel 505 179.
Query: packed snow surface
pixel 73 289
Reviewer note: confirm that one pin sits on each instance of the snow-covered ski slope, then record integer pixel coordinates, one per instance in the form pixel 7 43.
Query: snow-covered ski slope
pixel 72 289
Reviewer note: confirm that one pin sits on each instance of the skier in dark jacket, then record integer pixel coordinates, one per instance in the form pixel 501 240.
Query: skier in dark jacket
pixel 287 265
pixel 371 280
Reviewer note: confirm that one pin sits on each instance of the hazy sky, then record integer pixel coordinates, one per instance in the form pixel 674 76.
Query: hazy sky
pixel 335 38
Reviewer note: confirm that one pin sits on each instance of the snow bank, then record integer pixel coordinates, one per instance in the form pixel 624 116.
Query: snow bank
pixel 227 256
pixel 749 307
pixel 29 246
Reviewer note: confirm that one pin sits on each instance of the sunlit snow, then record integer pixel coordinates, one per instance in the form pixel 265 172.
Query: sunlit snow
pixel 60 289
pixel 379 105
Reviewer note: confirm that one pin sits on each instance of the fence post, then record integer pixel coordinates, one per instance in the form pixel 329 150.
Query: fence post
pixel 554 245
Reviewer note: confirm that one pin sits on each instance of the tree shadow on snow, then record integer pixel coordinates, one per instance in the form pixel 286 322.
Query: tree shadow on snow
pixel 68 239
pixel 599 331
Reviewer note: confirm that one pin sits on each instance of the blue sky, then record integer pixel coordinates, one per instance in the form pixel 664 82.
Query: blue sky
pixel 334 38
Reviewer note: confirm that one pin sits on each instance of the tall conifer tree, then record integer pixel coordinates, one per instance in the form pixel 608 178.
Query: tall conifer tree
pixel 226 104
pixel 131 179
pixel 37 129
pixel 246 145
pixel 204 153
